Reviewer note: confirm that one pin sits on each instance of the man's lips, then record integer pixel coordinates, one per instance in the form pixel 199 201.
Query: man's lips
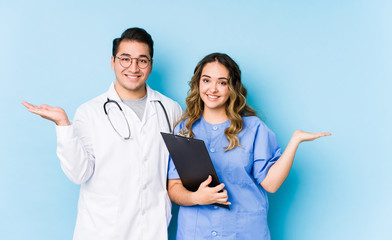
pixel 131 76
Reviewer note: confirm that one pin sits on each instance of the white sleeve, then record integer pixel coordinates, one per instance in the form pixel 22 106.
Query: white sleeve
pixel 177 113
pixel 74 148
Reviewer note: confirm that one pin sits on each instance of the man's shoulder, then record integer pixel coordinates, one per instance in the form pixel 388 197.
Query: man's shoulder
pixel 166 101
pixel 93 104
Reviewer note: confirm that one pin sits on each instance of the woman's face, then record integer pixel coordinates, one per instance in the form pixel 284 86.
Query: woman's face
pixel 213 85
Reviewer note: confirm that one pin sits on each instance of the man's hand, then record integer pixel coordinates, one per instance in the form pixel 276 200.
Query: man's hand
pixel 54 114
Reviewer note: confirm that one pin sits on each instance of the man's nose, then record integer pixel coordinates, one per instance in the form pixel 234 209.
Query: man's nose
pixel 134 65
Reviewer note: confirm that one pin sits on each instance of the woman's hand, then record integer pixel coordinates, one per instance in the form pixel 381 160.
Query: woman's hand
pixel 208 195
pixel 303 136
pixel 54 114
pixel 279 171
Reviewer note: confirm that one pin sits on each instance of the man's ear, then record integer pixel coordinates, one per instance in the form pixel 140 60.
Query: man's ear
pixel 152 60
pixel 112 63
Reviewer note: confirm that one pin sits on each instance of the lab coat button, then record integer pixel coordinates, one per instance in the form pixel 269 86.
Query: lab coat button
pixel 213 233
pixel 215 127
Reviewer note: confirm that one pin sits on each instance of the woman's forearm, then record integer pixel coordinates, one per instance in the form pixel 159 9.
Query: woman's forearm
pixel 279 171
pixel 205 195
pixel 179 194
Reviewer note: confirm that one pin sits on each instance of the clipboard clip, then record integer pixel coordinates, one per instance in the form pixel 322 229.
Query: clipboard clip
pixel 184 132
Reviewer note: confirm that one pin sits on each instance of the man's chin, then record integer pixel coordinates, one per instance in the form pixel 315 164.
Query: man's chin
pixel 130 88
pixel 136 87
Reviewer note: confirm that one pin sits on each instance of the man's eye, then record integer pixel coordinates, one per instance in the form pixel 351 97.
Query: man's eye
pixel 143 60
pixel 125 59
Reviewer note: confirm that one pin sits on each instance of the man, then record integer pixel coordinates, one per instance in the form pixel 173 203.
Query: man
pixel 114 149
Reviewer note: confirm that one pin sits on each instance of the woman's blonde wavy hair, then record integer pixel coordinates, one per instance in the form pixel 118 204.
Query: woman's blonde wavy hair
pixel 236 106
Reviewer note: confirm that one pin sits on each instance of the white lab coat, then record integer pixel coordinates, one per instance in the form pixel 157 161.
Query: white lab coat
pixel 123 182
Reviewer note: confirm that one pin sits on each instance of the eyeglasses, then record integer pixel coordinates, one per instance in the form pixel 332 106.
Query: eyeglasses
pixel 141 62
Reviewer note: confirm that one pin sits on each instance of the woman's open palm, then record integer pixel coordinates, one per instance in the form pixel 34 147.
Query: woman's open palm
pixel 309 136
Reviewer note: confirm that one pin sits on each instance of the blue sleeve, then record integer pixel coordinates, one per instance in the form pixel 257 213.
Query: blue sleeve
pixel 266 151
pixel 172 171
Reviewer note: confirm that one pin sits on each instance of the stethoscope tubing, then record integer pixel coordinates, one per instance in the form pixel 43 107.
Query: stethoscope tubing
pixel 129 129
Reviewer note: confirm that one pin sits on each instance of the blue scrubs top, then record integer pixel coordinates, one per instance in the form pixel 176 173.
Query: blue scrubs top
pixel 241 169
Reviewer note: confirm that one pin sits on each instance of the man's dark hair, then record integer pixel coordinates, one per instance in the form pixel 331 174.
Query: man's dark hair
pixel 134 34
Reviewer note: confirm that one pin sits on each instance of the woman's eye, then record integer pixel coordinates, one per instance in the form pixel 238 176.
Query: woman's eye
pixel 223 83
pixel 205 80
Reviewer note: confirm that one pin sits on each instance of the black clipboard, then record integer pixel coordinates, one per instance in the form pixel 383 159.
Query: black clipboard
pixel 192 161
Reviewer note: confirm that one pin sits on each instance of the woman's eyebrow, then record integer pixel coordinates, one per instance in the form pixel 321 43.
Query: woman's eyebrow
pixel 221 78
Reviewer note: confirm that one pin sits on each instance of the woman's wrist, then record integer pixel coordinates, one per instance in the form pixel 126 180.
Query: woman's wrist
pixel 194 198
pixel 296 138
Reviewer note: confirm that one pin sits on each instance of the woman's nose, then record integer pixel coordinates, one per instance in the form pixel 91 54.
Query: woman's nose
pixel 213 88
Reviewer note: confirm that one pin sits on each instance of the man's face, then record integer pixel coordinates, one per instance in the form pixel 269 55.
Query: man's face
pixel 131 81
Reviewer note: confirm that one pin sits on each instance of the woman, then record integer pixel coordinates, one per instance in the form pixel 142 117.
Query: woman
pixel 244 151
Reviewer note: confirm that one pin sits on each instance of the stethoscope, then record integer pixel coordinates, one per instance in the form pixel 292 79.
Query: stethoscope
pixel 129 129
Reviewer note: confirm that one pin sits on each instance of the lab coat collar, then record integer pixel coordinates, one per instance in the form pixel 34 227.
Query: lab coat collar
pixel 152 96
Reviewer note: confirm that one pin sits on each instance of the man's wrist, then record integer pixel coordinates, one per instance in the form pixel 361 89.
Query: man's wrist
pixel 63 123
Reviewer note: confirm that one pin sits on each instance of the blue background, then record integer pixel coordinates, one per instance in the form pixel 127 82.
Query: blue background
pixel 312 65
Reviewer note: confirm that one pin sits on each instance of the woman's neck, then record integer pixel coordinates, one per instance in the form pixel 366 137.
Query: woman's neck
pixel 215 117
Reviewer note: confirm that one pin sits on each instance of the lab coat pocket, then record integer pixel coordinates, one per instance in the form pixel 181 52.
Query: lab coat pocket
pixel 98 213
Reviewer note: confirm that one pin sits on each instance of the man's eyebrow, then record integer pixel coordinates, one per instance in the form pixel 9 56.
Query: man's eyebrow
pixel 129 55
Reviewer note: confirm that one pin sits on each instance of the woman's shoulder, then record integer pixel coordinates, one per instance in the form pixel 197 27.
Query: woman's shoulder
pixel 252 120
pixel 255 123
